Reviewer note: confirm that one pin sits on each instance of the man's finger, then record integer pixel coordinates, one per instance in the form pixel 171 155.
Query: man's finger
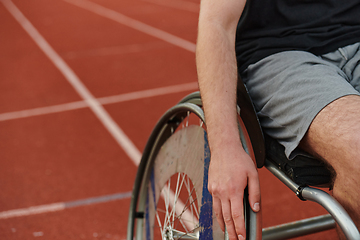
pixel 237 212
pixel 227 216
pixel 254 193
pixel 218 212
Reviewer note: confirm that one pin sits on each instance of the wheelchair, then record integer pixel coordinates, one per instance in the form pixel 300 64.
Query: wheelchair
pixel 170 199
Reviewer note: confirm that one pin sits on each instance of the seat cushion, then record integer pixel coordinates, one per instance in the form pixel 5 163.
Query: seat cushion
pixel 303 170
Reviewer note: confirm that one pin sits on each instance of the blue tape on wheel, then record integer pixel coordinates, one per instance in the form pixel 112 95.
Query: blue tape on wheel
pixel 148 236
pixel 206 220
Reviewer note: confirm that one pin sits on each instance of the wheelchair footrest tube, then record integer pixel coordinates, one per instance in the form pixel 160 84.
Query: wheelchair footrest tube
pixel 335 209
pixel 299 228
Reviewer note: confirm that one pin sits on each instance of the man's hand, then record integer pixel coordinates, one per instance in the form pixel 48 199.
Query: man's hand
pixel 231 170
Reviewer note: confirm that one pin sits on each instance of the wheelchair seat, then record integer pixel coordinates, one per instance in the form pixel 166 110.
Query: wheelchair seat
pixel 303 170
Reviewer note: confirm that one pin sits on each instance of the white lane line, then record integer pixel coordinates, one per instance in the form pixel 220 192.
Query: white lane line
pixel 182 5
pixel 132 23
pixel 118 134
pixel 54 207
pixel 104 100
pixel 42 110
pixel 149 93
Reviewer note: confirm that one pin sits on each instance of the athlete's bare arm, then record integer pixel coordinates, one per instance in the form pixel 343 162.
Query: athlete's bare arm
pixel 231 169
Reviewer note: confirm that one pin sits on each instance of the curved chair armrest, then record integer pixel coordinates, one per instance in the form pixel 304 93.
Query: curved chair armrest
pixel 251 122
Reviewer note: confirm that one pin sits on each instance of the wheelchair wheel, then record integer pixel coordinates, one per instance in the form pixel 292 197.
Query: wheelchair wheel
pixel 170 198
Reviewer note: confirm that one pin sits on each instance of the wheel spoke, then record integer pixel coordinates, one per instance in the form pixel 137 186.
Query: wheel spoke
pixel 180 213
pixel 187 118
pixel 176 198
pixel 177 192
pixel 194 224
pixel 190 192
pixel 159 222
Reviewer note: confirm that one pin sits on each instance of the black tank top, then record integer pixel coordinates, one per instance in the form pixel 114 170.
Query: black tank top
pixel 318 26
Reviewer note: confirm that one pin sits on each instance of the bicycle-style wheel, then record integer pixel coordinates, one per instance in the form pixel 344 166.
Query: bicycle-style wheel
pixel 170 197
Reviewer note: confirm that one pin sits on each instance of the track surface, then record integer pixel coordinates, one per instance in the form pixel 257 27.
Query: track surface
pixel 82 85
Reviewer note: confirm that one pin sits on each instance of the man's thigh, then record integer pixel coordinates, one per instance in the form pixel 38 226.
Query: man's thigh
pixel 334 135
pixel 289 89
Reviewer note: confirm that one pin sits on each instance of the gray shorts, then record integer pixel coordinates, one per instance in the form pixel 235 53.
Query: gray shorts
pixel 290 88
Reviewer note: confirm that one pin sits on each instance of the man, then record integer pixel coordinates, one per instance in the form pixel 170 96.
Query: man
pixel 300 62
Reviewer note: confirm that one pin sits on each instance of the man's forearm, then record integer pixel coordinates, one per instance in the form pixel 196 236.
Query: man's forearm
pixel 217 72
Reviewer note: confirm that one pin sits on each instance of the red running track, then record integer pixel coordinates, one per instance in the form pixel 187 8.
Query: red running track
pixel 82 85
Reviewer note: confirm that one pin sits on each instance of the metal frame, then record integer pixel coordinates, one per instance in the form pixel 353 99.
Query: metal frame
pixel 311 225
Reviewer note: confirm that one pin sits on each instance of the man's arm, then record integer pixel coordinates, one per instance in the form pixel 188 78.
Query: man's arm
pixel 231 169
